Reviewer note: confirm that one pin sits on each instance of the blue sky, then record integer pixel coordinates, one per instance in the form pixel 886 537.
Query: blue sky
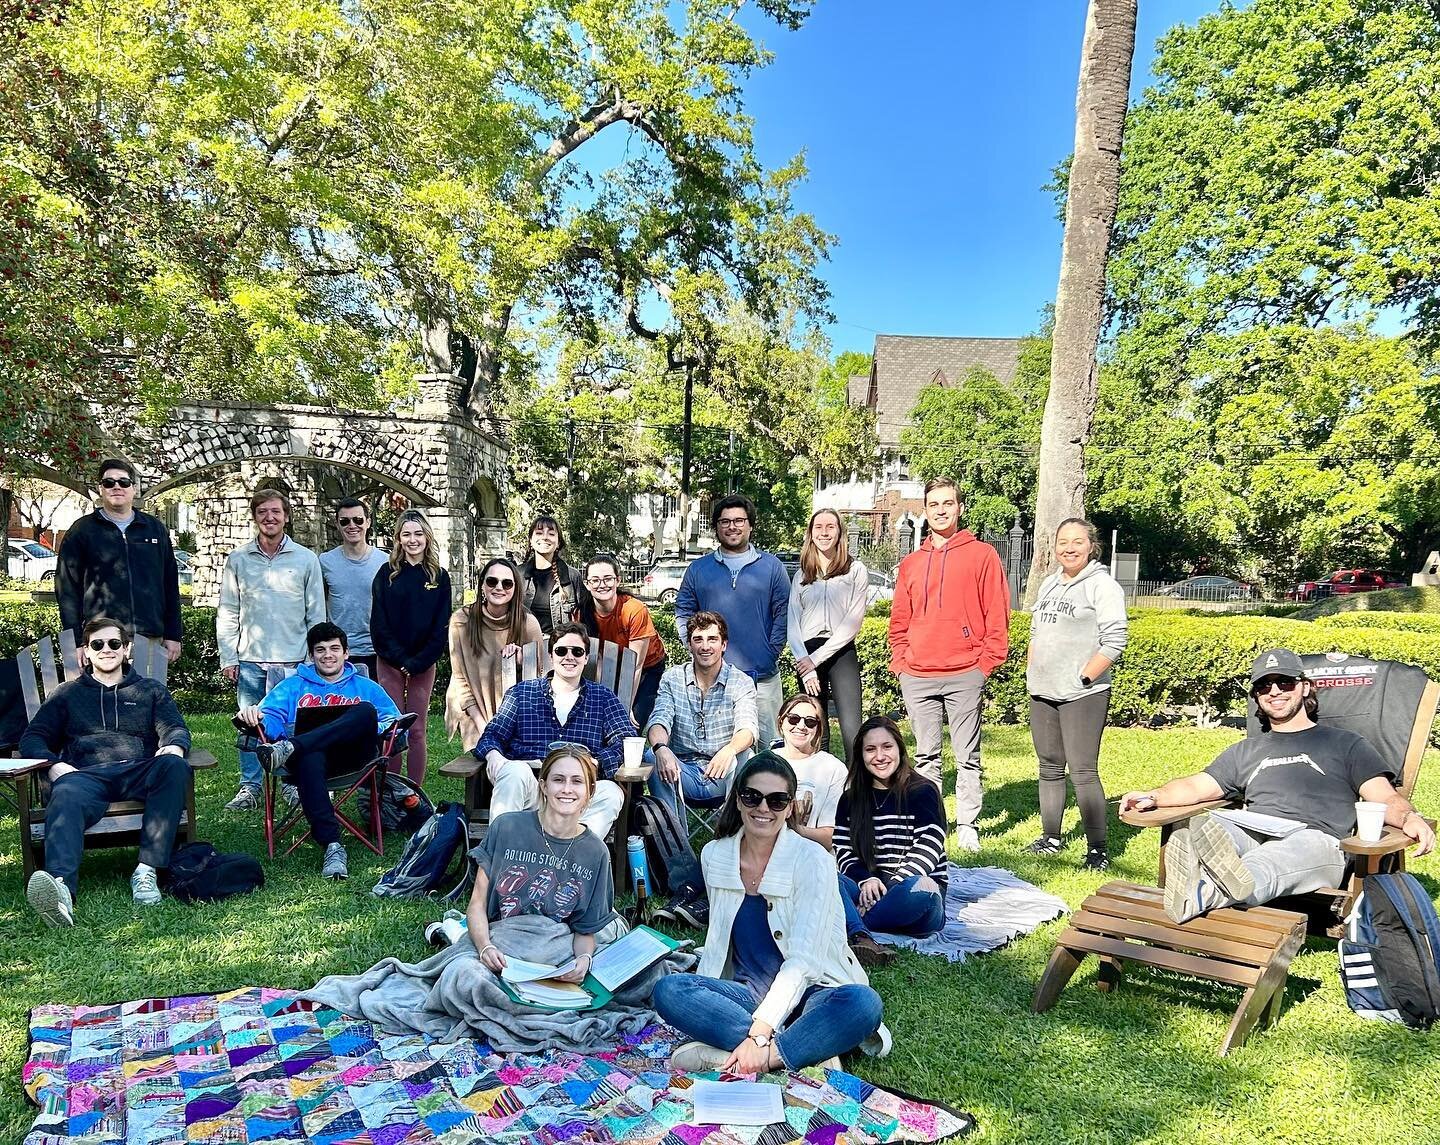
pixel 929 127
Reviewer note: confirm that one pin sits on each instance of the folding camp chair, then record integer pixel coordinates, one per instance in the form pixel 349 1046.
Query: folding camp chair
pixel 20 696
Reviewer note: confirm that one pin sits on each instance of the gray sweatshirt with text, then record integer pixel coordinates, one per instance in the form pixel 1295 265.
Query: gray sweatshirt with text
pixel 1071 621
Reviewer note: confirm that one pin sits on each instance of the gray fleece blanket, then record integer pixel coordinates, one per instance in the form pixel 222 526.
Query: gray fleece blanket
pixel 452 996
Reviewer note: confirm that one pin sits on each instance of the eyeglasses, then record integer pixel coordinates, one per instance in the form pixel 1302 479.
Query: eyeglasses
pixel 113 644
pixel 796 721
pixel 1284 685
pixel 351 520
pixel 571 650
pixel 776 800
pixel 732 522
pixel 496 582
pixel 111 482
pixel 603 581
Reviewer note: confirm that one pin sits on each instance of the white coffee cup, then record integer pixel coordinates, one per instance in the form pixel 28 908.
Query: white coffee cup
pixel 634 753
pixel 1370 821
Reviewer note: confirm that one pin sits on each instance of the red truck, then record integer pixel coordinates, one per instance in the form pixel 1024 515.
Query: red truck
pixel 1343 582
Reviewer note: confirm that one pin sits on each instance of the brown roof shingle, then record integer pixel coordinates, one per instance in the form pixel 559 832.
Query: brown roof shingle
pixel 904 364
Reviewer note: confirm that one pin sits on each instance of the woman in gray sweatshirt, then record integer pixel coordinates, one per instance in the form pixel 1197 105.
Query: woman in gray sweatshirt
pixel 1077 631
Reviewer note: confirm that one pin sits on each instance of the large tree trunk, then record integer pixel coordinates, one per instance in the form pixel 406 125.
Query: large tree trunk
pixel 1094 189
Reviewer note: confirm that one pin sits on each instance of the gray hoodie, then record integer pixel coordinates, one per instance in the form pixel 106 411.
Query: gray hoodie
pixel 1071 621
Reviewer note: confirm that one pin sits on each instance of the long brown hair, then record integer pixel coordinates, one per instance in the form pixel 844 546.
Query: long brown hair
pixel 765 762
pixel 840 559
pixel 429 559
pixel 860 785
pixel 514 611
pixel 818 736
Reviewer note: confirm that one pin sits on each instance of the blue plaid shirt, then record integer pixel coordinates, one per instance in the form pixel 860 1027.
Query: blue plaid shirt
pixel 699 726
pixel 526 725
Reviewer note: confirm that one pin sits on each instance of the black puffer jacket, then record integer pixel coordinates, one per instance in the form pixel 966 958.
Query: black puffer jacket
pixel 129 576
pixel 86 722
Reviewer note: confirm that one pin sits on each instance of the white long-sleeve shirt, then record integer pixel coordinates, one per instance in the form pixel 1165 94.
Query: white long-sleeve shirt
pixel 832 607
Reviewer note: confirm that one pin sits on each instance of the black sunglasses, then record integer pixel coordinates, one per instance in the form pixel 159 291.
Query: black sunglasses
pixel 1285 684
pixel 114 644
pixel 570 650
pixel 496 582
pixel 776 800
pixel 111 482
pixel 351 520
pixel 802 721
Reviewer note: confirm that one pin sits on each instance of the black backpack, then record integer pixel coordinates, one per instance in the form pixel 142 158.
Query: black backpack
pixel 404 806
pixel 1390 955
pixel 672 862
pixel 425 865
pixel 200 873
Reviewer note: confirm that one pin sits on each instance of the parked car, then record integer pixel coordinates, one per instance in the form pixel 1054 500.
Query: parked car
pixel 30 560
pixel 1213 588
pixel 1343 582
pixel 882 587
pixel 662 582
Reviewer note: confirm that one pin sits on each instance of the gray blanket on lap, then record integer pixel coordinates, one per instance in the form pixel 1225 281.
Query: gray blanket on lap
pixel 451 995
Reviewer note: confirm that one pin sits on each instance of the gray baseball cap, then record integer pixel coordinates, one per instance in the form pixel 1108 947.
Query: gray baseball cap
pixel 1277 662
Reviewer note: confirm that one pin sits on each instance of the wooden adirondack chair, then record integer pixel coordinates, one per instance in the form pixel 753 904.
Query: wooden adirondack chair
pixel 1251 947
pixel 121 825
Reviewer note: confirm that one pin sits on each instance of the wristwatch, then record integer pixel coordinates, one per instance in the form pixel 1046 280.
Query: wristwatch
pixel 762 1040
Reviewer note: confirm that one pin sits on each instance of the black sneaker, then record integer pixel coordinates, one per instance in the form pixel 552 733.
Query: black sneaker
pixel 694 911
pixel 665 912
pixel 274 756
pixel 1096 859
pixel 1046 845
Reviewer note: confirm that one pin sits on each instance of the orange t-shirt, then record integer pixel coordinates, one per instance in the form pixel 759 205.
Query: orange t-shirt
pixel 630 621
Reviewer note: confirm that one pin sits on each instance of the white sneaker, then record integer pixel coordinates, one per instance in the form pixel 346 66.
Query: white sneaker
pixel 51 899
pixel 337 863
pixel 290 794
pixel 245 799
pixel 697 1057
pixel 145 887
pixel 967 838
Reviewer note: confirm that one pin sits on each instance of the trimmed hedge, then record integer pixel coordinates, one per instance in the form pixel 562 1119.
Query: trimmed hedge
pixel 1423 599
pixel 1173 660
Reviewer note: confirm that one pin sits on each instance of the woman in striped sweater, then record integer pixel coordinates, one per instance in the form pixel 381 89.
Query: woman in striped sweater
pixel 889 841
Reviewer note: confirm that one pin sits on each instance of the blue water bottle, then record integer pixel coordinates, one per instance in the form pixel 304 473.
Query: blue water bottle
pixel 639 868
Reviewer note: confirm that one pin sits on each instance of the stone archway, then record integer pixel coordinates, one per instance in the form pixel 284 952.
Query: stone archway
pixel 433 454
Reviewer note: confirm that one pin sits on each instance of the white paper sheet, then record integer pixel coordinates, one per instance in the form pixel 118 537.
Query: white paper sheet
pixel 626 957
pixel 737 1103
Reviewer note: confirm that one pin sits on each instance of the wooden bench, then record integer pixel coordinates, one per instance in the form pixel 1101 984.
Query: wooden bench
pixel 122 823
pixel 1250 948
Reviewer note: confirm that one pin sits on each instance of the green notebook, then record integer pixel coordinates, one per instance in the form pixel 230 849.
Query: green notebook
pixel 532 984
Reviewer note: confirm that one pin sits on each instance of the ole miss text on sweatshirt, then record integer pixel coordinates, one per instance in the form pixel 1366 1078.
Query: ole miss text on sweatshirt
pixel 951 611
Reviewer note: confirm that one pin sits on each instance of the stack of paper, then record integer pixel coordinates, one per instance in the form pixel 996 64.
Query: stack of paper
pixel 737 1103
pixel 536 983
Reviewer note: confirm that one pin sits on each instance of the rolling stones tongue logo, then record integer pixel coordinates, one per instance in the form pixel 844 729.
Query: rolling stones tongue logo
pixel 566 897
pixel 509 905
pixel 539 887
pixel 511 880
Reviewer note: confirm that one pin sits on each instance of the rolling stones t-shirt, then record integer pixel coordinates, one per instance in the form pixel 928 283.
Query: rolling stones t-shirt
pixel 531 872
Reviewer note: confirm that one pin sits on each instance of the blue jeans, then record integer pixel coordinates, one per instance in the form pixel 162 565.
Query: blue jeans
pixel 901 910
pixel 250 689
pixel 698 791
pixel 829 1021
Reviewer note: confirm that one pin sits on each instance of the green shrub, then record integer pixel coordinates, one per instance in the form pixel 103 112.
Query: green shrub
pixel 1406 621
pixel 1390 600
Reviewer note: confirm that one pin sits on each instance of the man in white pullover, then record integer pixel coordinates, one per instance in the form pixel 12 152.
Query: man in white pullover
pixel 272 593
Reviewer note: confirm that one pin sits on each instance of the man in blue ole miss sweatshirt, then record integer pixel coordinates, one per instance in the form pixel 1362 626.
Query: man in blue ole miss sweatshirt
pixel 749 588
pixel 110 735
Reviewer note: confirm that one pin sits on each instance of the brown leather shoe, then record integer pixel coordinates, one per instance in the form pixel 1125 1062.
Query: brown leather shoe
pixel 870 953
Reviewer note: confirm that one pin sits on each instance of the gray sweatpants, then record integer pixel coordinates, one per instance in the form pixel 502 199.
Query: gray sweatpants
pixel 1305 861
pixel 929 702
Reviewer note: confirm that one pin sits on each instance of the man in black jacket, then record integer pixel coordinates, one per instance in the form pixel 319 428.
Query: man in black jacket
pixel 111 735
pixel 118 562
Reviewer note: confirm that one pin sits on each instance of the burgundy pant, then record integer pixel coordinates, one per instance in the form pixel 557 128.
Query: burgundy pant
pixel 411 694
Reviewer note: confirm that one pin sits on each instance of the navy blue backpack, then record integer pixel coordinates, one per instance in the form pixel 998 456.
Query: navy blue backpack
pixel 425 865
pixel 1390 955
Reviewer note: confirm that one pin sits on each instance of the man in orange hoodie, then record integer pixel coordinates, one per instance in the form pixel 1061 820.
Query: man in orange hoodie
pixel 949 629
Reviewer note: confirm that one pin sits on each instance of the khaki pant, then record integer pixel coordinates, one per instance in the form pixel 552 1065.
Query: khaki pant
pixel 929 702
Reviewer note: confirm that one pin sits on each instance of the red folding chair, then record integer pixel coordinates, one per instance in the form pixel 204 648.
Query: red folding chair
pixel 369 776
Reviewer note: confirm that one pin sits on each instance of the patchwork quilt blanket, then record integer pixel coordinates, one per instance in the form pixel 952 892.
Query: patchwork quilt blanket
pixel 260 1065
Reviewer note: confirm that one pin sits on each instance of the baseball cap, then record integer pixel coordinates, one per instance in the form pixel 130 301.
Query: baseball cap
pixel 1277 662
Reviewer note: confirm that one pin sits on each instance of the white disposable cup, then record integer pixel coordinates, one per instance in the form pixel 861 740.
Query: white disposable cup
pixel 1369 821
pixel 634 752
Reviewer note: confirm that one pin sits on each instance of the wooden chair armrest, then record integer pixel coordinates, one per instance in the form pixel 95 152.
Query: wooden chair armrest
pixel 639 775
pixel 1391 841
pixel 461 767
pixel 15 768
pixel 201 760
pixel 1164 816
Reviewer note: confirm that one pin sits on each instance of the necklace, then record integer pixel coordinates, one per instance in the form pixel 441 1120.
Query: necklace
pixel 560 859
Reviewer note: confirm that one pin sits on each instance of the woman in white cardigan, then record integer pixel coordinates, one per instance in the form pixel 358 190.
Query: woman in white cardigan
pixel 777 987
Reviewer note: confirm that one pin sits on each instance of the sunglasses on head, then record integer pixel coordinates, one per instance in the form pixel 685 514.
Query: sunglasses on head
pixel 799 721
pixel 776 800
pixel 352 520
pixel 570 650
pixel 111 482
pixel 496 582
pixel 114 644
pixel 1283 683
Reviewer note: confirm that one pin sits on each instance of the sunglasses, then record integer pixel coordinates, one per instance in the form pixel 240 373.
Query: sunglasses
pixel 111 482
pixel 1283 685
pixel 776 800
pixel 351 520
pixel 802 721
pixel 113 644
pixel 496 582
pixel 573 650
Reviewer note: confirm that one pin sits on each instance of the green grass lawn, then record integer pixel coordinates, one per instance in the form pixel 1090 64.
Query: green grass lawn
pixel 1138 1065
